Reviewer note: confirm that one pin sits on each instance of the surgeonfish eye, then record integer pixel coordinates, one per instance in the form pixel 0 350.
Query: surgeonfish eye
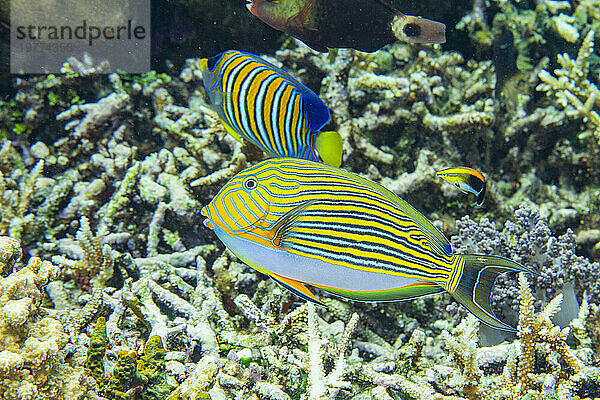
pixel 250 183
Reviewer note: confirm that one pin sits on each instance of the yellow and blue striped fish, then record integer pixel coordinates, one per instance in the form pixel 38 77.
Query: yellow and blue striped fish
pixel 467 179
pixel 302 222
pixel 264 104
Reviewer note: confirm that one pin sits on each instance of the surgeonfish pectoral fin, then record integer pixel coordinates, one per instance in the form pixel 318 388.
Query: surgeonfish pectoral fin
pixel 476 283
pixel 329 146
pixel 297 288
pixel 286 222
pixel 411 29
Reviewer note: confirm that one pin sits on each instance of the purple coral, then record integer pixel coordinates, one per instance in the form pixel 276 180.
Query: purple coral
pixel 528 239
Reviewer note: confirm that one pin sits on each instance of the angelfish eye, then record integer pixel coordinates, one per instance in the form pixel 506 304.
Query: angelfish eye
pixel 250 183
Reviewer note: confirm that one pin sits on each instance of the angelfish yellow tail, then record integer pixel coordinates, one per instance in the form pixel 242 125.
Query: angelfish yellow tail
pixel 329 146
pixel 203 64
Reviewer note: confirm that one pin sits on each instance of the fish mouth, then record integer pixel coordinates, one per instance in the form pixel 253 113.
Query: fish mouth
pixel 244 223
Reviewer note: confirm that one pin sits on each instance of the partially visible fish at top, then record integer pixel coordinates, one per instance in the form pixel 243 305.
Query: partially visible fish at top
pixel 364 25
pixel 264 104
pixel 467 179
pixel 302 222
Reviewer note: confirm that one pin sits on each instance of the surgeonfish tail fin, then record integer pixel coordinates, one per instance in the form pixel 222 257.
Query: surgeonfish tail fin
pixel 329 146
pixel 411 29
pixel 476 283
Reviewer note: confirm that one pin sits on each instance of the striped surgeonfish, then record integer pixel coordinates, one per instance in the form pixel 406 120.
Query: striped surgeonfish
pixel 264 104
pixel 302 222
pixel 467 179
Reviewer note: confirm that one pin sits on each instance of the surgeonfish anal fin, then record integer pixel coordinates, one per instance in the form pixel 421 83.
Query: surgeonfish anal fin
pixel 411 291
pixel 297 288
pixel 286 222
pixel 476 283
pixel 329 146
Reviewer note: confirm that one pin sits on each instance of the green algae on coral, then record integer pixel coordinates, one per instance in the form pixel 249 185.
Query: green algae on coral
pixel 144 375
pixel 152 368
pixel 94 360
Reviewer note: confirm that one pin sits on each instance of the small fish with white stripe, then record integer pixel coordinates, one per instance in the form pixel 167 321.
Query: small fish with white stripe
pixel 302 222
pixel 262 103
pixel 468 180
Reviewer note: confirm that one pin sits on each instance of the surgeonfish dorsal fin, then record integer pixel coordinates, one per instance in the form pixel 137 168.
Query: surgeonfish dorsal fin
pixel 329 147
pixel 439 242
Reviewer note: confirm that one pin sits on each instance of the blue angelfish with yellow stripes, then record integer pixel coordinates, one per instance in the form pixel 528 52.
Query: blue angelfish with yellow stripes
pixel 302 222
pixel 262 103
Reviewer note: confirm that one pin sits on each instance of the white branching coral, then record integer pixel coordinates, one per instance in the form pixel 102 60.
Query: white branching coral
pixel 96 262
pixel 520 376
pixel 321 386
pixel 570 85
pixel 537 330
pixel 14 204
pixel 463 345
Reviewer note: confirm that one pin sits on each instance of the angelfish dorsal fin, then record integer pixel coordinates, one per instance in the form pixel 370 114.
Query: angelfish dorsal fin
pixel 286 221
pixel 316 111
